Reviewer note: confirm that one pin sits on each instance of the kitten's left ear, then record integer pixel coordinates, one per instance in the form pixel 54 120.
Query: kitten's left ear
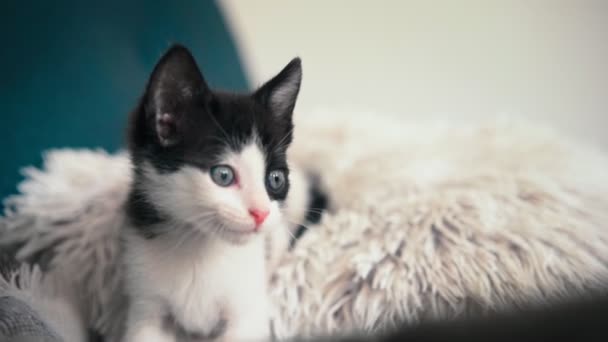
pixel 176 85
pixel 279 94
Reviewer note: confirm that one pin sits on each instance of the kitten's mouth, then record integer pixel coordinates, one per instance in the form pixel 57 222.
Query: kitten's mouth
pixel 237 236
pixel 239 232
pixel 242 232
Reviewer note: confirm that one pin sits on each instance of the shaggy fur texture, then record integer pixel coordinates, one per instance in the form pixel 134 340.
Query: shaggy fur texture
pixel 38 308
pixel 68 218
pixel 426 221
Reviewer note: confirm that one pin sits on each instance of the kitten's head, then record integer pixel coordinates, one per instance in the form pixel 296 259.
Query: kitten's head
pixel 207 161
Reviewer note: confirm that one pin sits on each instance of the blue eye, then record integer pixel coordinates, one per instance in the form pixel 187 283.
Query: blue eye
pixel 222 175
pixel 276 180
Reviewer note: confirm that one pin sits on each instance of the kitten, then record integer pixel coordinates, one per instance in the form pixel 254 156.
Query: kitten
pixel 210 180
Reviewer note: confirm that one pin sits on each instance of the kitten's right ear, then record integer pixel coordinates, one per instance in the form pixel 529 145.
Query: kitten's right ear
pixel 175 85
pixel 279 94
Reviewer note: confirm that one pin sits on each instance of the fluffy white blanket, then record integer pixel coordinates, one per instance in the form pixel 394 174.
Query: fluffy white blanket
pixel 426 221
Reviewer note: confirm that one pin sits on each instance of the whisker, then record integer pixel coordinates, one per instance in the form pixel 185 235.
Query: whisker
pixel 220 127
pixel 186 236
pixel 283 142
pixel 185 233
pixel 317 208
pixel 290 233
pixel 303 225
pixel 316 211
pixel 219 139
pixel 220 228
pixel 196 219
pixel 285 136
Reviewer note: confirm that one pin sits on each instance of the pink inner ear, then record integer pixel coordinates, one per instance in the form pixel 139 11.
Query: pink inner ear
pixel 166 129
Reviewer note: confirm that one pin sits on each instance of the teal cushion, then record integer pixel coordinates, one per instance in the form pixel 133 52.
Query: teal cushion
pixel 71 71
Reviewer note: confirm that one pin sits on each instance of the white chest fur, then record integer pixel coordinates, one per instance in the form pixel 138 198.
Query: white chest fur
pixel 199 282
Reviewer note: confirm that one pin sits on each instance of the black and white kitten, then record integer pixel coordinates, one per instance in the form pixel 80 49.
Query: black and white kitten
pixel 210 178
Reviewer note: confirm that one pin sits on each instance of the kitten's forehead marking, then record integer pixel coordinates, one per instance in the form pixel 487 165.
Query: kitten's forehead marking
pixel 250 162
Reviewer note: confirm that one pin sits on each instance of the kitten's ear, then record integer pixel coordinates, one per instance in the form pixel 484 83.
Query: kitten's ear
pixel 175 85
pixel 279 94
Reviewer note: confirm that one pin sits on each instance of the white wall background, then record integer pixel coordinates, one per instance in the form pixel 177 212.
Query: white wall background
pixel 465 59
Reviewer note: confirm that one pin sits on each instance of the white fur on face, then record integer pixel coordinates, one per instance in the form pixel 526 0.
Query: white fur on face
pixel 190 196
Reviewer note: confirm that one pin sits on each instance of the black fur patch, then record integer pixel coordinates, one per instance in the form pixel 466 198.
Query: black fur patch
pixel 8 262
pixel 181 121
pixel 317 204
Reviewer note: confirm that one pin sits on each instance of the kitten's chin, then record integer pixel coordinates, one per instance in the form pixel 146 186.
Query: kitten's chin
pixel 238 237
pixel 235 235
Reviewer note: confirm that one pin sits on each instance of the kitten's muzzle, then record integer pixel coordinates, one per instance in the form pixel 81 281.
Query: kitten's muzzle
pixel 259 216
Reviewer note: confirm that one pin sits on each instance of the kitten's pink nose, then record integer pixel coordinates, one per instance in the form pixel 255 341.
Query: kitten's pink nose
pixel 259 216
